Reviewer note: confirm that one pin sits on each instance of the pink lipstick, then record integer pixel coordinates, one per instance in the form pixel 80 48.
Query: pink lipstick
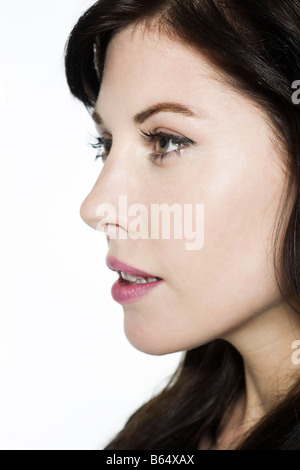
pixel 132 284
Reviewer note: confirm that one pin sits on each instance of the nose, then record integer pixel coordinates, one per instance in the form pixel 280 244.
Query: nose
pixel 118 184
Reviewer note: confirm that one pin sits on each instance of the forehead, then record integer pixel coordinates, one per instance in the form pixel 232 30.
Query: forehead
pixel 144 67
pixel 145 62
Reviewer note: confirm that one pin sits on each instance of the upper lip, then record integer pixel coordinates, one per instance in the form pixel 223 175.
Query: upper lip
pixel 115 265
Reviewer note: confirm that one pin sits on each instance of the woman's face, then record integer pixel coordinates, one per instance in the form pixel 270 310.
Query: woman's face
pixel 232 168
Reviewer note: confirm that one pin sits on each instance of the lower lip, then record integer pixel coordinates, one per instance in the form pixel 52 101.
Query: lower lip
pixel 125 293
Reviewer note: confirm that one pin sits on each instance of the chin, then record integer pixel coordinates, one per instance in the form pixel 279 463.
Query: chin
pixel 154 341
pixel 149 342
pixel 147 346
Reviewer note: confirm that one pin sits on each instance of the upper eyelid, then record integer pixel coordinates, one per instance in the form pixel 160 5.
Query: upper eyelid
pixel 108 135
pixel 175 137
pixel 100 140
pixel 104 135
pixel 102 131
pixel 178 139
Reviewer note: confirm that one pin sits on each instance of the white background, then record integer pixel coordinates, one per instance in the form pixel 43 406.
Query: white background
pixel 69 378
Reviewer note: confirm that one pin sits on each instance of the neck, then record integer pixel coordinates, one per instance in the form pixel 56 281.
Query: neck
pixel 265 343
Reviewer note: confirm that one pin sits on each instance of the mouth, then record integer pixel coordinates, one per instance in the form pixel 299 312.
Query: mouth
pixel 130 274
pixel 130 279
pixel 133 283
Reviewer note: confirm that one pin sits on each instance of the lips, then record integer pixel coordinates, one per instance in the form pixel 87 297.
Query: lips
pixel 126 292
pixel 116 265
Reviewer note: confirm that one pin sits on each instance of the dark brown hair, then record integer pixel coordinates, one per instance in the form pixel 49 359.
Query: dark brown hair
pixel 256 43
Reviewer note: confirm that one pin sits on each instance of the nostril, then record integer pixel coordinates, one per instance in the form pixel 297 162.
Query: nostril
pixel 111 230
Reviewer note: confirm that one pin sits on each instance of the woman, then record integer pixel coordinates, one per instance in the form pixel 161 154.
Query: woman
pixel 193 102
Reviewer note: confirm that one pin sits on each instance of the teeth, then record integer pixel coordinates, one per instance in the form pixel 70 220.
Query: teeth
pixel 130 278
pixel 137 280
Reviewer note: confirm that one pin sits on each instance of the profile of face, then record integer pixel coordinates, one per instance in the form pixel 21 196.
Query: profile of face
pixel 230 163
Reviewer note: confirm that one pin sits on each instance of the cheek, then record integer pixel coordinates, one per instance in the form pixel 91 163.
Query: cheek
pixel 241 214
pixel 208 292
pixel 232 277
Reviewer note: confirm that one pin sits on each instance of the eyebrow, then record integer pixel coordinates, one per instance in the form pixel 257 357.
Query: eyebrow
pixel 141 117
pixel 176 108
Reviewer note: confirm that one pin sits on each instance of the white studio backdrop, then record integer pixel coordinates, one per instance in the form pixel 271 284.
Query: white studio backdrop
pixel 69 377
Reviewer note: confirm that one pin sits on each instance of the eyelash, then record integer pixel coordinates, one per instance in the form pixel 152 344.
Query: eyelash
pixel 150 137
pixel 100 145
pixel 182 142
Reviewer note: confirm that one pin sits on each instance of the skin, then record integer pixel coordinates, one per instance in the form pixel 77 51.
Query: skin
pixel 227 289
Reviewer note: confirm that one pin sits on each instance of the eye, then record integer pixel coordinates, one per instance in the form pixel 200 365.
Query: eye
pixel 166 144
pixel 104 146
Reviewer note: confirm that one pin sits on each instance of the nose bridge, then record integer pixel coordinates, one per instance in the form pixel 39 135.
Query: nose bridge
pixel 121 175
